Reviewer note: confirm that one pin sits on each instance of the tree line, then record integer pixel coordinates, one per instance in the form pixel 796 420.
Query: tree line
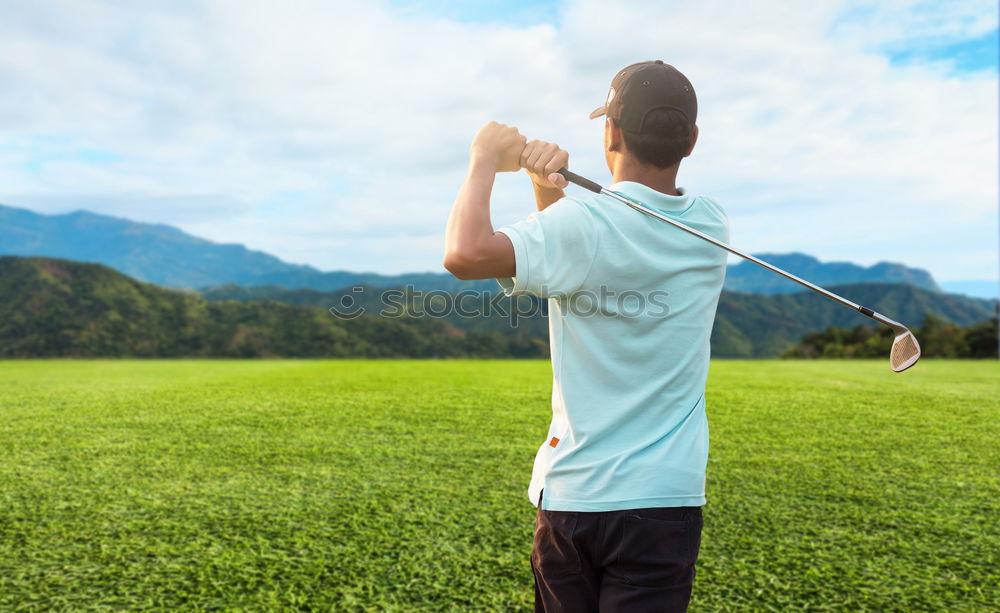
pixel 938 338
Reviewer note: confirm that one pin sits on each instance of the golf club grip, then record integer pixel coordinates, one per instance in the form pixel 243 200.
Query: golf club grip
pixel 572 177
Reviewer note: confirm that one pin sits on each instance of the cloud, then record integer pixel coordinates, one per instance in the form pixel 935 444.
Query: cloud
pixel 335 133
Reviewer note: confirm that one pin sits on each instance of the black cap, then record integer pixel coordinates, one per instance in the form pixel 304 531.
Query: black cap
pixel 640 88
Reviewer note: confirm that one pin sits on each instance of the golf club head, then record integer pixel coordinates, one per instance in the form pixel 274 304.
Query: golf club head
pixel 905 349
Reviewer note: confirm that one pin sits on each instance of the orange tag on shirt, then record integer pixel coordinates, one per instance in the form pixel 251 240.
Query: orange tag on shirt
pixel 553 442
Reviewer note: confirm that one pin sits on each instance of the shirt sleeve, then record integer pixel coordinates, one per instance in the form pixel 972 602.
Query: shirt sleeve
pixel 553 250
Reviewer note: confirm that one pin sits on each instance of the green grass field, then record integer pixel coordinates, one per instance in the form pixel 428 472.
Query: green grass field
pixel 400 486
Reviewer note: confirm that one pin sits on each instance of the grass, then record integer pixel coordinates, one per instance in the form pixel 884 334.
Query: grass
pixel 400 486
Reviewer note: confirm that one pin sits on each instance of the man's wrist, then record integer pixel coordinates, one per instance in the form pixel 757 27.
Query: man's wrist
pixel 545 188
pixel 545 196
pixel 484 160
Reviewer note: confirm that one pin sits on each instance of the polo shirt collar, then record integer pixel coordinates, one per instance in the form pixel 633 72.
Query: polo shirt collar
pixel 652 198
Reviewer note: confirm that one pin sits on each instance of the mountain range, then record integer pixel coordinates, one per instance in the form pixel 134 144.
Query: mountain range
pixel 167 256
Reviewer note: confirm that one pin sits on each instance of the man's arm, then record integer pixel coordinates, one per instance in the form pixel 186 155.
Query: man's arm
pixel 472 250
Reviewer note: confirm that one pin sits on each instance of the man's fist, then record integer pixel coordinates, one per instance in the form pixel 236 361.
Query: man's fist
pixel 500 145
pixel 543 161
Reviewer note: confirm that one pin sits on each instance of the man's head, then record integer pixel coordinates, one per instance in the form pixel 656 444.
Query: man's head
pixel 651 110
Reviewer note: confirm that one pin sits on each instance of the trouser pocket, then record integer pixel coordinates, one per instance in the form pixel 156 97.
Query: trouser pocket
pixel 656 551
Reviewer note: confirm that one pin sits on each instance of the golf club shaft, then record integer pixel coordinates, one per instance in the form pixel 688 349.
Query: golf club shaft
pixel 594 187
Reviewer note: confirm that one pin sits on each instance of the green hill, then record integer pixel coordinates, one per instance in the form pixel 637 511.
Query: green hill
pixel 59 308
pixel 746 325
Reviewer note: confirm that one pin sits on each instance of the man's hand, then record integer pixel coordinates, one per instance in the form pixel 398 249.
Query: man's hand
pixel 543 161
pixel 498 145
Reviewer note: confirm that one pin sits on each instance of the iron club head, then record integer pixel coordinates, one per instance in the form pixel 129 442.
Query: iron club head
pixel 905 349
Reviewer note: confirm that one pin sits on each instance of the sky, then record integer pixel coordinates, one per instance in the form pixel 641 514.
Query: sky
pixel 336 133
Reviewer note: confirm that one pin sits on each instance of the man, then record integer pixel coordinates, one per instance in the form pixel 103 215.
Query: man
pixel 619 481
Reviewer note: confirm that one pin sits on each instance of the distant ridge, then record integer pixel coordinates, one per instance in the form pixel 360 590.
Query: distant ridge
pixel 167 256
pixel 164 255
pixel 749 277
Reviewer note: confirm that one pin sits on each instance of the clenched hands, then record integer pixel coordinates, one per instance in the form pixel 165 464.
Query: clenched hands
pixel 504 148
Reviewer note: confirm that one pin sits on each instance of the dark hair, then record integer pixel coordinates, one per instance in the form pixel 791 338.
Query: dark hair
pixel 665 138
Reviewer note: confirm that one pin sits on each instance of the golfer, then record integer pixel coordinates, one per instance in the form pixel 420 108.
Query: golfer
pixel 619 480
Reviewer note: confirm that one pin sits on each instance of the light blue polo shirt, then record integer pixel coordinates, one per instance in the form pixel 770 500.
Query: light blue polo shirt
pixel 631 306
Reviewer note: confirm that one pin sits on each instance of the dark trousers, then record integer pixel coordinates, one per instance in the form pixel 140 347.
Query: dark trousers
pixel 632 561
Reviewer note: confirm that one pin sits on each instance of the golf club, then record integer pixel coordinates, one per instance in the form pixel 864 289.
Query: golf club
pixel 905 348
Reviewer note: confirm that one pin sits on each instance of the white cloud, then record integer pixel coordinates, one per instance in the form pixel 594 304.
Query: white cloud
pixel 335 133
pixel 894 22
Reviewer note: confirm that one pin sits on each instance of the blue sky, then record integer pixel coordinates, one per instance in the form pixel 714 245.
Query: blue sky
pixel 963 55
pixel 512 12
pixel 334 133
pixel 964 43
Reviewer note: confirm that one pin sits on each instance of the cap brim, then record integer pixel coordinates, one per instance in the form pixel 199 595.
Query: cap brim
pixel 601 110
